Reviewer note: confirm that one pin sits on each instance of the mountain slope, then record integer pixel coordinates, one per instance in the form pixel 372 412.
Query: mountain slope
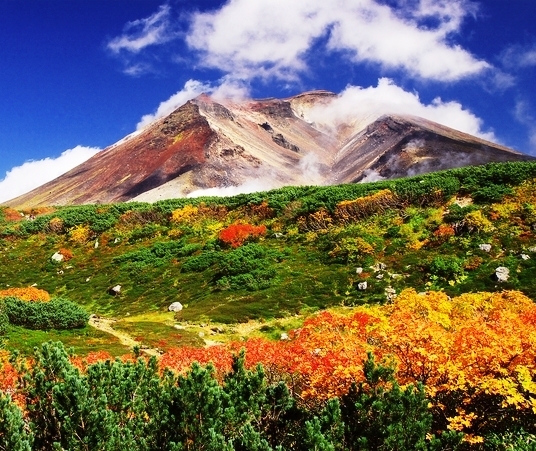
pixel 258 145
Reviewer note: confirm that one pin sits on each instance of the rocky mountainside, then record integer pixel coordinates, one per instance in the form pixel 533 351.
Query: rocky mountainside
pixel 206 146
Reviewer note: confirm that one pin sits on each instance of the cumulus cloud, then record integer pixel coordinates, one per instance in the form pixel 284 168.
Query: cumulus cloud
pixel 273 38
pixel 225 89
pixel 32 174
pixel 139 34
pixel 362 106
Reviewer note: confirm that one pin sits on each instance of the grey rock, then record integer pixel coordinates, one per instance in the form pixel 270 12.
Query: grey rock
pixel 502 274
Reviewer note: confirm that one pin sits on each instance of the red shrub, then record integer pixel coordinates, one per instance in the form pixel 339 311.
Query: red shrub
pixel 237 234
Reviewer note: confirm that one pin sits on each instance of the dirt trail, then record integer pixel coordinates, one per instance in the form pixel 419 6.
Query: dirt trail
pixel 105 325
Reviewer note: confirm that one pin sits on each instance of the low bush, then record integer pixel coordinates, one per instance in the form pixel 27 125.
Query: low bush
pixel 59 313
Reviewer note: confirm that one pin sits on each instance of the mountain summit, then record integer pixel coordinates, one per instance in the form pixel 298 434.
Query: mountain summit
pixel 223 147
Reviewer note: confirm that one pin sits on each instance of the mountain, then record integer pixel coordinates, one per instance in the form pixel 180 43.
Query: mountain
pixel 207 145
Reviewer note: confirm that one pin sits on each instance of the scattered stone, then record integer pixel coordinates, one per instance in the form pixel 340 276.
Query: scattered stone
pixel 88 279
pixel 115 291
pixel 395 276
pixel 502 274
pixel 96 245
pixel 32 285
pixel 284 336
pixel 175 307
pixel 532 249
pixel 57 257
pixel 278 235
pixel 217 330
pixel 379 276
pixel 525 257
pixel 485 247
pixel 390 293
pixel 60 272
pixel 359 270
pixel 117 240
pixel 179 327
pixel 362 285
pixel 379 267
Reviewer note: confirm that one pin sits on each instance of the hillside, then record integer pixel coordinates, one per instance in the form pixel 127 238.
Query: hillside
pixel 282 252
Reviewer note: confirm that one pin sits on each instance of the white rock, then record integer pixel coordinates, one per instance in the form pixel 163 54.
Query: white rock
pixel 57 257
pixel 358 270
pixel 532 249
pixel 502 273
pixel 175 307
pixel 485 247
pixel 116 289
pixel 362 285
pixel 96 244
pixel 179 327
pixel 284 336
pixel 525 257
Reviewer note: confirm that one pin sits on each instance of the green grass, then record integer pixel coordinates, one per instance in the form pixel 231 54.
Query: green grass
pixel 82 341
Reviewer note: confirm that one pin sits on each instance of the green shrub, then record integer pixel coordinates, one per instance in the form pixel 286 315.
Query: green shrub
pixel 447 267
pixel 249 267
pixel 201 262
pixel 4 320
pixel 59 313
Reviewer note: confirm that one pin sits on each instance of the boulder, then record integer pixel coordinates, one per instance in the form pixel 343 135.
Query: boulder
pixel 359 270
pixel 116 290
pixel 502 274
pixel 485 247
pixel 175 307
pixel 57 257
pixel 525 257
pixel 362 286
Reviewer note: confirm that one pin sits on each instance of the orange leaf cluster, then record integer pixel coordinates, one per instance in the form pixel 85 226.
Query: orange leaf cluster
pixel 237 234
pixel 27 294
pixel 475 353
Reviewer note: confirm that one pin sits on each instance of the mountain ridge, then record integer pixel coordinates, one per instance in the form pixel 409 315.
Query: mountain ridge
pixel 260 144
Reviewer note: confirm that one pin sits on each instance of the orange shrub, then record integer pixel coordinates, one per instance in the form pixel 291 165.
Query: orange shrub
pixel 27 294
pixel 237 234
pixel 67 254
pixel 11 215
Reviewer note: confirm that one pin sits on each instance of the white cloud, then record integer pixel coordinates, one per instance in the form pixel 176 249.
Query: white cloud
pixel 226 89
pixel 524 115
pixel 517 56
pixel 272 38
pixel 364 105
pixel 153 30
pixel 32 174
pixel 192 88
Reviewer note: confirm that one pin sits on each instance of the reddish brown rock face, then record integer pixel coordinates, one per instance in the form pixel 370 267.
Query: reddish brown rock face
pixel 268 143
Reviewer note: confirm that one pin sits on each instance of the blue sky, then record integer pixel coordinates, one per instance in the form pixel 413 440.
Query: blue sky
pixel 78 75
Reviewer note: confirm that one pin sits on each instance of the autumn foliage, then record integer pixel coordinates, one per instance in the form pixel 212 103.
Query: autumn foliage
pixel 237 234
pixel 27 294
pixel 475 355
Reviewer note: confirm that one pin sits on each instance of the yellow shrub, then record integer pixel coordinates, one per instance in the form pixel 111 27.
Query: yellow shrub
pixel 80 234
pixel 27 294
pixel 184 214
pixel 476 221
